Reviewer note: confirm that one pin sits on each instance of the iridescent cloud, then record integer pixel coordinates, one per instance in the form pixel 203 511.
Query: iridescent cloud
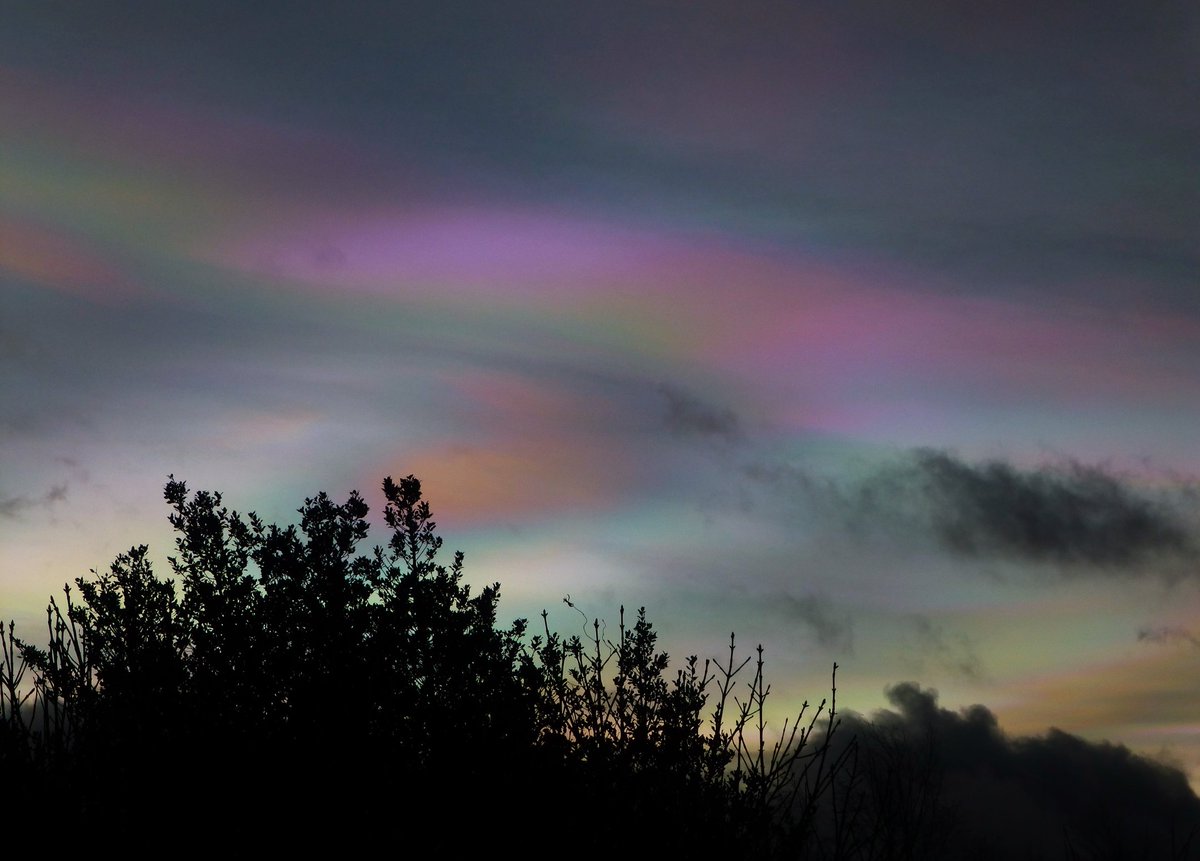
pixel 627 300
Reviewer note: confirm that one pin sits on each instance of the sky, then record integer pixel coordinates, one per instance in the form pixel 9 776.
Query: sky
pixel 869 331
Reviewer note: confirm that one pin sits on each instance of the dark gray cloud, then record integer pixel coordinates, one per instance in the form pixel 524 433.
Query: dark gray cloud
pixel 1077 517
pixel 833 628
pixel 1167 634
pixel 786 478
pixel 689 416
pixel 1073 514
pixel 14 506
pixel 975 792
pixel 950 650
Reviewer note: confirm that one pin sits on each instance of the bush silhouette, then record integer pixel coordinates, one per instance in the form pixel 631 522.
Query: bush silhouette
pixel 280 684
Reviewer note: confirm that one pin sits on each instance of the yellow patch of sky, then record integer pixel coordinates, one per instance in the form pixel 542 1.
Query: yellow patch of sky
pixel 1033 638
pixel 1149 700
pixel 1147 687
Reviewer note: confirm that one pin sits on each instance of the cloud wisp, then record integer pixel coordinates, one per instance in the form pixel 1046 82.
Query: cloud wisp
pixel 12 507
pixel 950 650
pixel 833 628
pixel 689 416
pixel 1165 634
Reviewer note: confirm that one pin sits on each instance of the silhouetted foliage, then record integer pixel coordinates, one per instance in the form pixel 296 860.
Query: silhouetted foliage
pixel 280 679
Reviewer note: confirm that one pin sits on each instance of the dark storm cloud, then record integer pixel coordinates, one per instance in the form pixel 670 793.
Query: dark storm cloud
pixel 1000 797
pixel 689 416
pixel 13 506
pixel 1074 514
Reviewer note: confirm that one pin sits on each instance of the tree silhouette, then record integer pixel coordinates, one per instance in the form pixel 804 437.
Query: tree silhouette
pixel 280 679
